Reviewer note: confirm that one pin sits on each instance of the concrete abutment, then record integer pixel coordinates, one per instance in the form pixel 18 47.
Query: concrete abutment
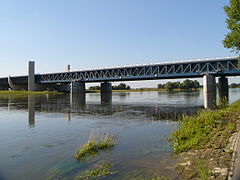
pixel 15 87
pixel 106 93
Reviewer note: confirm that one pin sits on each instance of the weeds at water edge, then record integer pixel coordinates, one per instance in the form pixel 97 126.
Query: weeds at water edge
pixel 95 144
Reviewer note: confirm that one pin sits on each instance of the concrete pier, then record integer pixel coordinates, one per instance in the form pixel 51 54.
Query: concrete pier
pixel 209 91
pixel 77 87
pixel 106 93
pixel 223 89
pixel 31 76
pixel 106 87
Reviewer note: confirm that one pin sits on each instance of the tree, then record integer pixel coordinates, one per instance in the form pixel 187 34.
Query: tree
pixel 232 39
pixel 121 86
pixel 160 86
pixel 196 84
pixel 234 85
pixel 94 88
pixel 169 86
pixel 187 84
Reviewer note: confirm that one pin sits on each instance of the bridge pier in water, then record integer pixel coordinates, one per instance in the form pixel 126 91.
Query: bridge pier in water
pixel 77 94
pixel 77 87
pixel 106 93
pixel 209 91
pixel 223 90
pixel 32 85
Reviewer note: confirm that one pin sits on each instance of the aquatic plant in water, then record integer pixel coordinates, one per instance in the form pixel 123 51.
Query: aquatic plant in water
pixel 95 144
pixel 102 169
pixel 63 169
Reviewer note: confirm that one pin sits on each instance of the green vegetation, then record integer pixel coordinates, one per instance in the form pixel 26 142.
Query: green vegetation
pixel 94 88
pixel 101 170
pixel 234 85
pixel 121 86
pixel 95 144
pixel 203 171
pixel 28 92
pixel 196 131
pixel 138 90
pixel 232 39
pixel 64 168
pixel 185 85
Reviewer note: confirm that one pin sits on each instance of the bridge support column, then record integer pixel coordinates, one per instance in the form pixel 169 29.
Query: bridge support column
pixel 31 76
pixel 106 87
pixel 223 89
pixel 209 91
pixel 106 93
pixel 77 87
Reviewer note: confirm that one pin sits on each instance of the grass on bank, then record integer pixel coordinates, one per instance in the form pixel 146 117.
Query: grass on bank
pixel 28 92
pixel 196 131
pixel 95 144
pixel 203 171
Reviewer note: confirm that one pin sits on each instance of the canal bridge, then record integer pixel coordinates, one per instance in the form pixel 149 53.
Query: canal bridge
pixel 74 81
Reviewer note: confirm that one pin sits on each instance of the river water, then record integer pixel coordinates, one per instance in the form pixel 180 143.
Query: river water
pixel 39 134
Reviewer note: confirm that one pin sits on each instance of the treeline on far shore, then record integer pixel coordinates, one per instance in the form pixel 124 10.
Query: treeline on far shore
pixel 121 86
pixel 169 86
pixel 234 85
pixel 185 85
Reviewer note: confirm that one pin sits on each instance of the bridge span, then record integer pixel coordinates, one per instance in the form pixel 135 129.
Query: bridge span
pixel 74 81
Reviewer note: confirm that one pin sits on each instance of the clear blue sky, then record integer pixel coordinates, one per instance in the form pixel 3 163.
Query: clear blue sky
pixel 100 33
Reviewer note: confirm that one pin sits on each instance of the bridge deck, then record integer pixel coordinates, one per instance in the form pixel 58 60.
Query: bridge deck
pixel 169 70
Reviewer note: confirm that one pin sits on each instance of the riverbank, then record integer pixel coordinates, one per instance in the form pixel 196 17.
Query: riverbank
pixel 28 92
pixel 204 143
pixel 143 90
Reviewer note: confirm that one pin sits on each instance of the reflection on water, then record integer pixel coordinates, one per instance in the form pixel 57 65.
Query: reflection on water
pixel 78 101
pixel 76 105
pixel 39 134
pixel 106 99
pixel 31 110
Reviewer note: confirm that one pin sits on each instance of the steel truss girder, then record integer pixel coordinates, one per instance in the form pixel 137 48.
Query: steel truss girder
pixel 154 71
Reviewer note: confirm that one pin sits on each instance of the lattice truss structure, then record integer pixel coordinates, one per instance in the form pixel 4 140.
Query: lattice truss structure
pixel 179 69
